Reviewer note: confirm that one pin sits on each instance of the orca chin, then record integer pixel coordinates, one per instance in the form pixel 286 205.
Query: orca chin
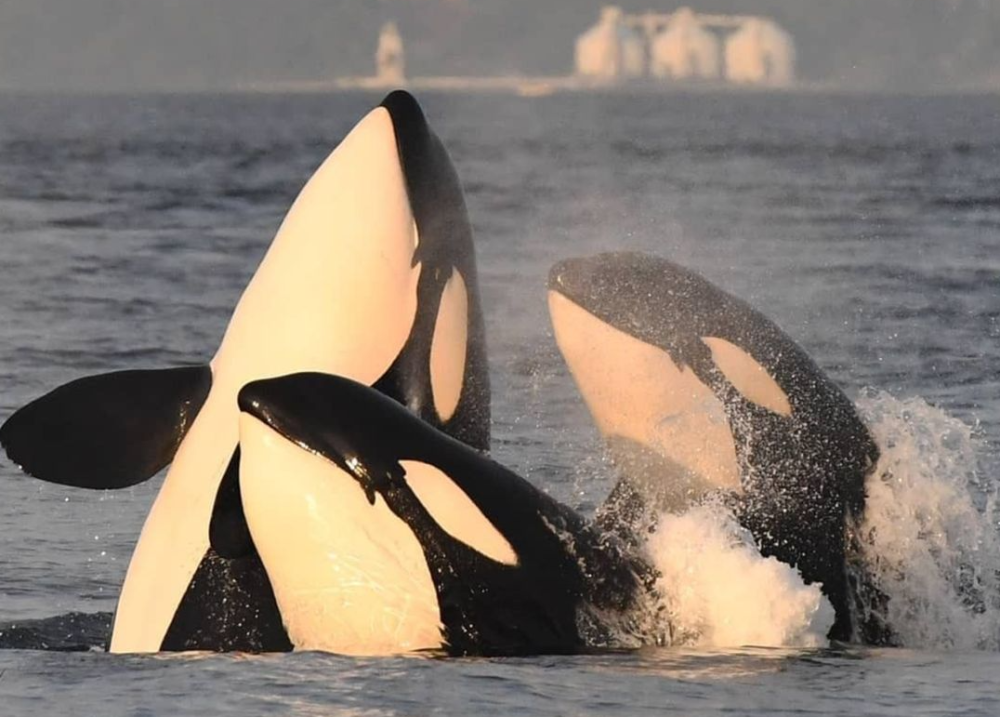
pixel 371 275
pixel 697 393
pixel 427 543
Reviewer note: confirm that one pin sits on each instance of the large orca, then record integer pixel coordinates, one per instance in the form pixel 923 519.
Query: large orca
pixel 383 535
pixel 372 275
pixel 696 392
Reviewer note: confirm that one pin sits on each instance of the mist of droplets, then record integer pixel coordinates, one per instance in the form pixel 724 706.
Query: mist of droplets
pixel 930 527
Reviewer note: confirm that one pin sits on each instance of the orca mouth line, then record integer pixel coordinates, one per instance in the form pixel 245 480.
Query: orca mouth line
pixel 371 481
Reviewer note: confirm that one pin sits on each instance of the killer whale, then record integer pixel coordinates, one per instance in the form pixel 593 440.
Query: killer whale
pixel 696 392
pixel 405 539
pixel 372 275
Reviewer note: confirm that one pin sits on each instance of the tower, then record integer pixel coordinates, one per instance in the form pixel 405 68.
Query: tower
pixel 390 62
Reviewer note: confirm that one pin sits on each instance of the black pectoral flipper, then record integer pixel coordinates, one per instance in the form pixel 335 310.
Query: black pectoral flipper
pixel 228 532
pixel 108 431
pixel 229 604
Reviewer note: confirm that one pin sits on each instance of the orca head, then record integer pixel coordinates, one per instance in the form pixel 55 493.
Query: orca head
pixel 700 358
pixel 372 275
pixel 349 521
pixel 378 509
pixel 700 328
pixel 630 330
pixel 675 369
pixel 348 576
pixel 389 454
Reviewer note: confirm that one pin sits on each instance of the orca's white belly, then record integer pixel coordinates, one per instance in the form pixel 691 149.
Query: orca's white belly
pixel 336 293
pixel 349 577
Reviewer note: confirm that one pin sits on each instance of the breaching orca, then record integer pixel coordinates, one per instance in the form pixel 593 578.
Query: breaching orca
pixel 696 392
pixel 372 275
pixel 383 535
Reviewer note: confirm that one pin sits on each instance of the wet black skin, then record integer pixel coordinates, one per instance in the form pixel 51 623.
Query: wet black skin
pixel 566 570
pixel 232 565
pixel 445 247
pixel 120 429
pixel 803 475
pixel 108 431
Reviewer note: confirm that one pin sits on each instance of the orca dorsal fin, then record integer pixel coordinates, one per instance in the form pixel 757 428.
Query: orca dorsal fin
pixel 113 430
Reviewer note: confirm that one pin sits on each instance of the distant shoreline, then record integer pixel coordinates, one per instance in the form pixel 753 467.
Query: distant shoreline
pixel 516 85
pixel 522 85
pixel 542 86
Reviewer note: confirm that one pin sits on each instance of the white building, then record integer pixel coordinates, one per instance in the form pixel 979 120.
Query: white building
pixel 390 62
pixel 610 50
pixel 684 49
pixel 686 45
pixel 760 52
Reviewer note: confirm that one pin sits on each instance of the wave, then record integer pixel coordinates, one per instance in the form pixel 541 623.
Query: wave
pixel 72 632
pixel 929 540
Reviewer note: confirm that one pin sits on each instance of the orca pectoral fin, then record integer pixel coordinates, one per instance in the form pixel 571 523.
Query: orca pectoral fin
pixel 228 532
pixel 108 431
pixel 229 605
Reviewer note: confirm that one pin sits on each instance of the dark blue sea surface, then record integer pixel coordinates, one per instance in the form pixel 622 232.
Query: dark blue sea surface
pixel 867 227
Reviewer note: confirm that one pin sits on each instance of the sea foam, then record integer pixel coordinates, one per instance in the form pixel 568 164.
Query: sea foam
pixel 929 539
pixel 930 526
pixel 718 591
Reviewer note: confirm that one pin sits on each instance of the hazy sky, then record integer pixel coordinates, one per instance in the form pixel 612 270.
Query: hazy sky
pixel 204 44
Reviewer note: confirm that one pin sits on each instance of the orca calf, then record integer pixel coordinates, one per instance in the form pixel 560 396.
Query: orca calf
pixel 696 392
pixel 384 535
pixel 372 275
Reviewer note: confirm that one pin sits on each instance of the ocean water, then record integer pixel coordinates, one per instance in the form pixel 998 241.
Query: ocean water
pixel 867 227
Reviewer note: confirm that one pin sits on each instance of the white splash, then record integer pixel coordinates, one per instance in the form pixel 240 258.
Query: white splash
pixel 930 538
pixel 720 592
pixel 930 526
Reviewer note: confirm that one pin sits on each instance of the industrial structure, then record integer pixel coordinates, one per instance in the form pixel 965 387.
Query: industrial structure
pixel 650 50
pixel 760 52
pixel 611 49
pixel 685 46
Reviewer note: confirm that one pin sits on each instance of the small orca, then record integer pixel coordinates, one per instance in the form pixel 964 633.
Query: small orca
pixel 372 275
pixel 696 392
pixel 384 535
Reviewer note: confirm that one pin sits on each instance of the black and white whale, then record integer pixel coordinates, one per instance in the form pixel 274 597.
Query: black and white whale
pixel 383 535
pixel 696 392
pixel 372 275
